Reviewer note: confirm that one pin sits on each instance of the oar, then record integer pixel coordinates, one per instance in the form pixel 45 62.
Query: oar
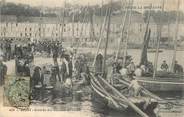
pixel 139 111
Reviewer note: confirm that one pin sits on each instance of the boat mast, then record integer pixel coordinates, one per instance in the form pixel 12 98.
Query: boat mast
pixel 107 37
pixel 1 5
pixel 82 27
pixel 63 20
pixel 101 36
pixel 127 35
pixel 40 23
pixel 175 38
pixel 73 33
pixel 123 28
pixel 92 32
pixel 101 14
pixel 158 42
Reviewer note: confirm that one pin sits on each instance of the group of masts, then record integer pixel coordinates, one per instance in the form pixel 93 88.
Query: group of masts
pixel 159 36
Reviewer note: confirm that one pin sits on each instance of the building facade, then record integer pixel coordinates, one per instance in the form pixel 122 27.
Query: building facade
pixel 38 29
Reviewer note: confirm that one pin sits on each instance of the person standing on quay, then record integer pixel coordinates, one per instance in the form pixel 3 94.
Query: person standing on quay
pixel 3 71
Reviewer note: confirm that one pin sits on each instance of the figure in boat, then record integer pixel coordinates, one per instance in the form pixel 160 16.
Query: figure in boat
pixel 164 66
pixel 134 88
pixel 178 68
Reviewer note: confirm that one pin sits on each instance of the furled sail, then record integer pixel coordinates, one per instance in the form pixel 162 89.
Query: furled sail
pixel 144 58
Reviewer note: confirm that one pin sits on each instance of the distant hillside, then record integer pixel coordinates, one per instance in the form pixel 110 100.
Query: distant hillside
pixel 79 12
pixel 22 10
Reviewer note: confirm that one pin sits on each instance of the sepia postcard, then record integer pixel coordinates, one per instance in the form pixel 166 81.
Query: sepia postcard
pixel 91 58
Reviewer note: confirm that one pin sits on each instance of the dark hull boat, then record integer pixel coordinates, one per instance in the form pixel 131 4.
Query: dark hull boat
pixel 106 95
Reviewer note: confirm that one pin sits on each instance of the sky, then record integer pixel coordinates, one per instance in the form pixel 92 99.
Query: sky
pixel 169 4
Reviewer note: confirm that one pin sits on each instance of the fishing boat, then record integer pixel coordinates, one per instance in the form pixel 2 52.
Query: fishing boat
pixel 159 81
pixel 107 95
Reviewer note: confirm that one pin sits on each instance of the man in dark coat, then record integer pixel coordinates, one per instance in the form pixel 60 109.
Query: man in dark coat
pixel 63 70
pixel 164 66
pixel 37 83
pixel 178 68
pixel 3 72
pixel 98 64
pixel 55 53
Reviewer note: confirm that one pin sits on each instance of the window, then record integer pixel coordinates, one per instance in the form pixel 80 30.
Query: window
pixel 20 34
pixel 30 29
pixel 30 34
pixel 16 24
pixel 25 29
pixel 25 34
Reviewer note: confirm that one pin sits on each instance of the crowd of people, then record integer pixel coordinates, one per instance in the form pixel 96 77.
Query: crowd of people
pixel 58 78
pixel 68 65
pixel 132 72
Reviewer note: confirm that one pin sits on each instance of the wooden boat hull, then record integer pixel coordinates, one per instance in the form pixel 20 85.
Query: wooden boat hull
pixel 101 105
pixel 162 85
pixel 164 81
pixel 103 100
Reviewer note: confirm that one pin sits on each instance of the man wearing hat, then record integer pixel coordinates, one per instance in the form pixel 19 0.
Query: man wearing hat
pixel 164 66
pixel 131 69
